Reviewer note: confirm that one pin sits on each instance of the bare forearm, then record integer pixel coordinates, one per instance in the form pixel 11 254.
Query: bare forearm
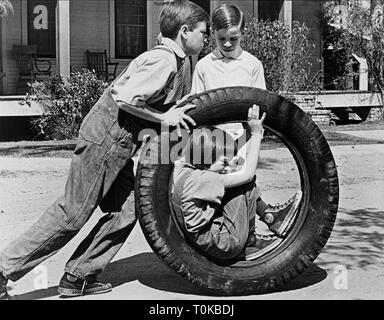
pixel 252 159
pixel 248 170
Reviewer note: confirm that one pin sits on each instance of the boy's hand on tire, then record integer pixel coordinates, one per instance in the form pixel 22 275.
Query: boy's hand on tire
pixel 176 117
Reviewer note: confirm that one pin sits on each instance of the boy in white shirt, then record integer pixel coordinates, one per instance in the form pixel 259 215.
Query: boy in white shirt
pixel 228 66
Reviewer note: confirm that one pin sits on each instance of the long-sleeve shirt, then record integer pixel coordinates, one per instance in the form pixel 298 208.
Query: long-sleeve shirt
pixel 149 78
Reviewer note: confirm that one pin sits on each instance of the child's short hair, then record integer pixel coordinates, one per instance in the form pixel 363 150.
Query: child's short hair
pixel 227 16
pixel 206 145
pixel 176 13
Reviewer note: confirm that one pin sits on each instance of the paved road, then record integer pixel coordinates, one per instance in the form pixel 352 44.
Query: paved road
pixel 350 267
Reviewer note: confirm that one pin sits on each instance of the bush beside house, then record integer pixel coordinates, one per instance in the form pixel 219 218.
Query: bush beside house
pixel 64 103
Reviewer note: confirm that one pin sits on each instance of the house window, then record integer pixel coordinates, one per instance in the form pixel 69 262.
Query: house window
pixel 42 26
pixel 130 28
pixel 270 9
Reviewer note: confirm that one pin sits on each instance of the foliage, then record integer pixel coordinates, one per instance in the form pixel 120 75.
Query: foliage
pixel 362 33
pixel 338 65
pixel 5 8
pixel 64 103
pixel 287 56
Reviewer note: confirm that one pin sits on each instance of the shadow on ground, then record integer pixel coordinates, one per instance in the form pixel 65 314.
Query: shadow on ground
pixel 357 240
pixel 160 277
pixel 151 272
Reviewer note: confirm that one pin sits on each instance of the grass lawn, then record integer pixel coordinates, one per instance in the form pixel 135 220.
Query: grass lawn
pixel 64 149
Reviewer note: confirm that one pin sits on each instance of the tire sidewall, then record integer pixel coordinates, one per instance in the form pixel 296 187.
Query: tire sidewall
pixel 317 212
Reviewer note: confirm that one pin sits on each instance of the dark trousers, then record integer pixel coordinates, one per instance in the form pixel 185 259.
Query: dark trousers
pixel 101 174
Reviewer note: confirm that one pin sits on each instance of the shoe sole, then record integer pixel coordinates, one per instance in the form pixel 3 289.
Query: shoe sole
pixel 263 251
pixel 76 293
pixel 287 223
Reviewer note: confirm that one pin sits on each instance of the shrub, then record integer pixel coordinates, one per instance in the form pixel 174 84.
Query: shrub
pixel 64 103
pixel 287 56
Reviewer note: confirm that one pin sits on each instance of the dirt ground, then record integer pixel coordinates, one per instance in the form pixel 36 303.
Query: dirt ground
pixel 350 267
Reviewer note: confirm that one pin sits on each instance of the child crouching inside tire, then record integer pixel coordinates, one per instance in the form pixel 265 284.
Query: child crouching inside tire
pixel 216 206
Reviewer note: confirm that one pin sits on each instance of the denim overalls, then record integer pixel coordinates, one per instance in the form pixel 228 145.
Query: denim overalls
pixel 101 174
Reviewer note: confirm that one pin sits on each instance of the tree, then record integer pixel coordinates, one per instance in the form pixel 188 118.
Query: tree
pixel 287 55
pixel 362 33
pixel 5 8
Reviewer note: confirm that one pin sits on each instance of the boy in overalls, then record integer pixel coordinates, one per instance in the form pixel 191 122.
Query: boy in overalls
pixel 101 171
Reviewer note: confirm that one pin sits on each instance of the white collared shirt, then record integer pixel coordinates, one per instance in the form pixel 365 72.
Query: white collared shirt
pixel 147 79
pixel 216 71
pixel 174 46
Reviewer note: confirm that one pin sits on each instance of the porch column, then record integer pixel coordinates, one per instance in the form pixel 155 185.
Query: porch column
pixel 255 12
pixel 286 13
pixel 363 72
pixel 285 16
pixel 63 38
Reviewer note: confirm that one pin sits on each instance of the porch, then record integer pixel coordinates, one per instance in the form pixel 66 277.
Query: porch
pixel 65 29
pixel 15 119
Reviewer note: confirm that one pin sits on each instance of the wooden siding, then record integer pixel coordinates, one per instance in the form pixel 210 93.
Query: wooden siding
pixel 154 17
pixel 89 29
pixel 13 34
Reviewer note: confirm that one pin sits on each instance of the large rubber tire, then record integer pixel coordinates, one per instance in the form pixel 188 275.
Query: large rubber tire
pixel 316 217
